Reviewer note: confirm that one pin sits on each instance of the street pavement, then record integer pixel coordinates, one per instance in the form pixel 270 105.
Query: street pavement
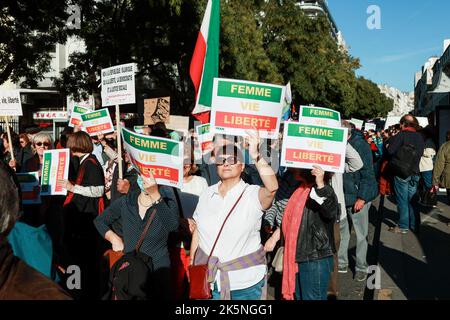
pixel 416 266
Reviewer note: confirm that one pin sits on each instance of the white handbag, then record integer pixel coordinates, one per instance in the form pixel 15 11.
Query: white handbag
pixel 277 262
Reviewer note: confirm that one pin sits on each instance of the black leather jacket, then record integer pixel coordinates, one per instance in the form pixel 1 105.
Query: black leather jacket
pixel 316 234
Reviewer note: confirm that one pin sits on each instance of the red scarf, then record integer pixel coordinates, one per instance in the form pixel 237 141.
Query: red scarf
pixel 291 222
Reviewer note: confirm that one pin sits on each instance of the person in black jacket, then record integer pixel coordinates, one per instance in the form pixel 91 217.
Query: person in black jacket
pixel 406 187
pixel 310 233
pixel 84 202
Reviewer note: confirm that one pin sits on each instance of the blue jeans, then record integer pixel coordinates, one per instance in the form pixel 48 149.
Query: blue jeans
pixel 404 193
pixel 313 278
pixel 427 177
pixel 251 293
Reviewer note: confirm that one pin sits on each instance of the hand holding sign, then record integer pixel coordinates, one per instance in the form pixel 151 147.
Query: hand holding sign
pixel 319 174
pixel 150 184
pixel 253 142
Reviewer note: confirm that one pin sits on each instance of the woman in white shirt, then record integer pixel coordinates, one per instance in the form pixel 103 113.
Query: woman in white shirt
pixel 237 267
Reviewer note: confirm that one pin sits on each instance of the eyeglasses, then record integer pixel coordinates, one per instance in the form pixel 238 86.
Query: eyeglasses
pixel 39 144
pixel 220 161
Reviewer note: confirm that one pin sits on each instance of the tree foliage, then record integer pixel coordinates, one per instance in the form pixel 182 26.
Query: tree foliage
pixel 29 31
pixel 268 41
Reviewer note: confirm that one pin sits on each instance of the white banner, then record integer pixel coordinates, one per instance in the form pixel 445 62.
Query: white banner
pixel 55 167
pixel 391 121
pixel 10 104
pixel 118 85
pixel 305 145
pixel 358 123
pixel 163 157
pixel 239 105
pixel 370 126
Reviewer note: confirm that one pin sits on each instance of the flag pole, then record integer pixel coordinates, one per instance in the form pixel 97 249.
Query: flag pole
pixel 9 139
pixel 119 142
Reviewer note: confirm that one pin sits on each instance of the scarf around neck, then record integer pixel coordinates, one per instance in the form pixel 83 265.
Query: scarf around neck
pixel 290 225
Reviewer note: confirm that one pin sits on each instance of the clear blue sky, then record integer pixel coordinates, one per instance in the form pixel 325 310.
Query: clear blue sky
pixel 411 32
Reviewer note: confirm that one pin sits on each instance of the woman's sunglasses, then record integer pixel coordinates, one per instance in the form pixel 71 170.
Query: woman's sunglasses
pixel 220 161
pixel 39 144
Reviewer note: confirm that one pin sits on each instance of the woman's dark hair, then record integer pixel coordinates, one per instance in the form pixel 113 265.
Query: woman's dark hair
pixel 9 201
pixel 159 130
pixel 80 142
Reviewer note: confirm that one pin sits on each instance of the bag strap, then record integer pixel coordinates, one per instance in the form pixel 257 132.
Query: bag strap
pixel 79 179
pixel 229 213
pixel 144 233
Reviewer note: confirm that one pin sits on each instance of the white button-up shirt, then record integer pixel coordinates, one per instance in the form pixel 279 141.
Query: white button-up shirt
pixel 240 235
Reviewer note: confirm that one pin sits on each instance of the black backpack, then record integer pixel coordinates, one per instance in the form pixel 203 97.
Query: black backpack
pixel 130 276
pixel 404 162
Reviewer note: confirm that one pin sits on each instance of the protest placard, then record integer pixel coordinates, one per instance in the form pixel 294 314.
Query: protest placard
pixel 239 105
pixel 370 126
pixel 75 118
pixel 156 110
pixel 55 167
pixel 162 157
pixel 178 123
pixel 358 123
pixel 205 138
pixel 10 104
pixel 88 103
pixel 97 122
pixel 30 188
pixel 319 116
pixel 305 145
pixel 118 85
pixel 390 121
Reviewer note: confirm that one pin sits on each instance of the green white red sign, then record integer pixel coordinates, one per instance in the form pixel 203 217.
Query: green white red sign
pixel 55 168
pixel 30 188
pixel 204 138
pixel 118 85
pixel 319 116
pixel 75 118
pixel 239 105
pixel 162 157
pixel 97 122
pixel 305 145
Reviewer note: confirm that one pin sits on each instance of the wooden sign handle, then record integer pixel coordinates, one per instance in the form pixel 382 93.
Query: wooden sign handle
pixel 119 142
pixel 9 139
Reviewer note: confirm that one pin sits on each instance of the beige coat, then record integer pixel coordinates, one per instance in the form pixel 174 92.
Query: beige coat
pixel 441 172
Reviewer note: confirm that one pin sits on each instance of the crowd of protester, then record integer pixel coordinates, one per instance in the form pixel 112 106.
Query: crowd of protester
pixel 266 215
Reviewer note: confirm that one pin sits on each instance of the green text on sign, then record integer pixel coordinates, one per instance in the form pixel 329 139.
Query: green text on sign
pixel 151 144
pixel 323 133
pixel 249 91
pixel 95 115
pixel 204 129
pixel 320 113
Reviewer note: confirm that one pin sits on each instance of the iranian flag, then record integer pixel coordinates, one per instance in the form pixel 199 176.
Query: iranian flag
pixel 205 61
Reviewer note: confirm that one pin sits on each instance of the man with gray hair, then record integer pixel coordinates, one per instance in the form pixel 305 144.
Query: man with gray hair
pixel 18 281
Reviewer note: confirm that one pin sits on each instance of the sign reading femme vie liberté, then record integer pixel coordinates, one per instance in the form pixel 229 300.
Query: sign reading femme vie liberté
pixel 319 116
pixel 162 157
pixel 55 167
pixel 305 145
pixel 204 137
pixel 118 85
pixel 97 122
pixel 239 105
pixel 75 118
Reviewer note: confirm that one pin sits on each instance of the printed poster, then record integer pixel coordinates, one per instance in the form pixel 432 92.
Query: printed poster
pixel 55 168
